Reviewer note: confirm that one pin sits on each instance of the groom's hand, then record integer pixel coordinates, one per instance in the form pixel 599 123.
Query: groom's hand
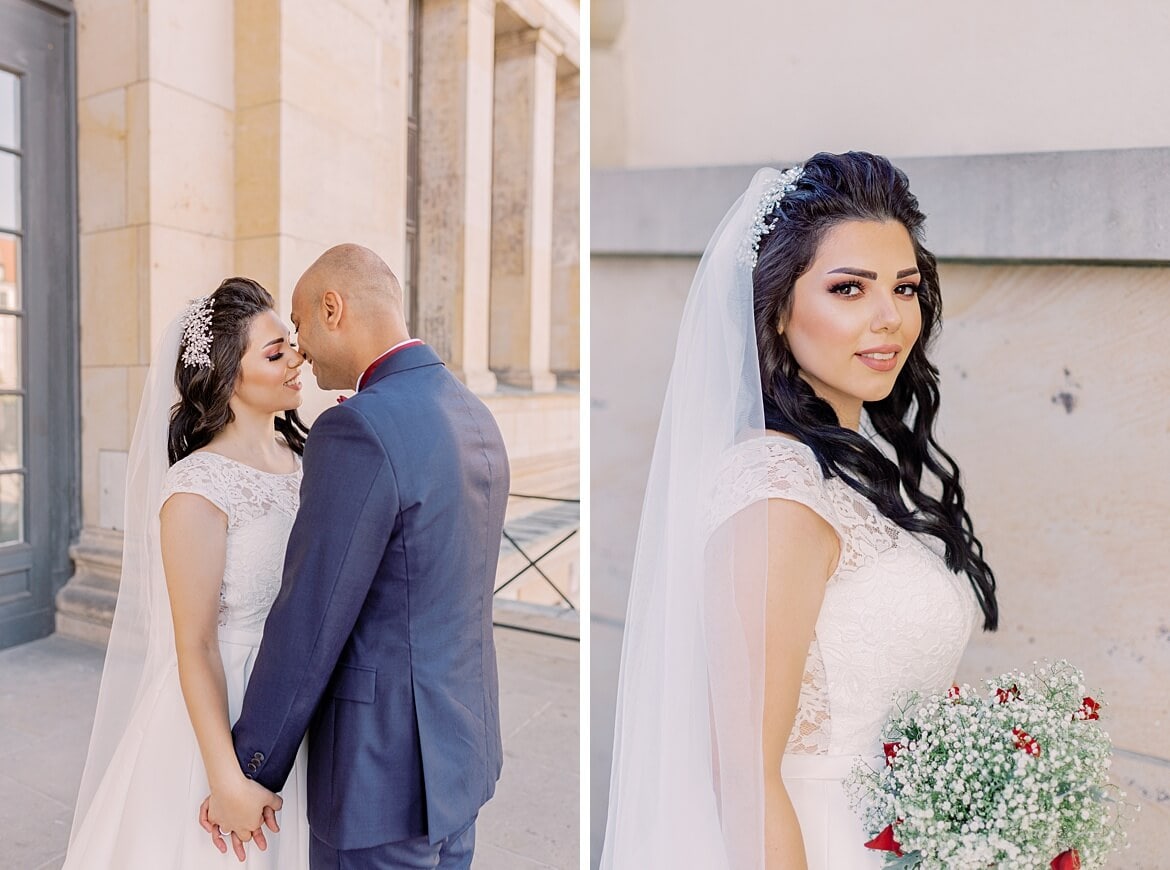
pixel 243 809
pixel 269 817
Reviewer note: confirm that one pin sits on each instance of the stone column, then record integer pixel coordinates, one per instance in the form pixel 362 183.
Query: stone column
pixel 522 208
pixel 321 103
pixel 155 191
pixel 607 84
pixel 258 50
pixel 565 357
pixel 455 174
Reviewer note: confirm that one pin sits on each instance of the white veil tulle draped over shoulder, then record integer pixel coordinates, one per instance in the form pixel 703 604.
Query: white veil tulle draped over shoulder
pixel 687 785
pixel 141 645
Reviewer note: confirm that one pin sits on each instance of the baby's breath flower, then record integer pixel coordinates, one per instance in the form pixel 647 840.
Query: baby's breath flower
pixel 1009 777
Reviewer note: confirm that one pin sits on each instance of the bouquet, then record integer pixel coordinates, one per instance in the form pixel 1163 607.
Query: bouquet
pixel 1014 777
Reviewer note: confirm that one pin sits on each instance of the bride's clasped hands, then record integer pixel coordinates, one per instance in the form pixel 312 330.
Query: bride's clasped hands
pixel 240 810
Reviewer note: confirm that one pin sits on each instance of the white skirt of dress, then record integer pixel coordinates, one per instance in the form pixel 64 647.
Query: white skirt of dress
pixel 145 814
pixel 834 838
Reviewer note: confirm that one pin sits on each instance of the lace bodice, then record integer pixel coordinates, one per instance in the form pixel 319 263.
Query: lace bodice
pixel 260 508
pixel 894 617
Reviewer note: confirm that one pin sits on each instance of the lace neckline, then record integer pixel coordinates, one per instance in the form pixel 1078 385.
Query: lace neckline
pixel 250 467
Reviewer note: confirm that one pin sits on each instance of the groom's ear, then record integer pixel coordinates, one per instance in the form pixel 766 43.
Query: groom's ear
pixel 332 307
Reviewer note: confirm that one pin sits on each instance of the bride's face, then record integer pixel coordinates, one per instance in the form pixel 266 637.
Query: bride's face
pixel 855 315
pixel 269 379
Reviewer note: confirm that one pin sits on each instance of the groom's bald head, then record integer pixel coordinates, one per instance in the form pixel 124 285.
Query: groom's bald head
pixel 347 309
pixel 356 273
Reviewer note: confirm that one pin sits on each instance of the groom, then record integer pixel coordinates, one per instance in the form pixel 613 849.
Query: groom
pixel 379 644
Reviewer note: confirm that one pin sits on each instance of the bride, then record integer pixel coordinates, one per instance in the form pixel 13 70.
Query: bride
pixel 211 496
pixel 804 551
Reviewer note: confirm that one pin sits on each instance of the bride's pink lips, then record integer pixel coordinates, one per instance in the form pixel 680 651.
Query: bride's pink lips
pixel 880 365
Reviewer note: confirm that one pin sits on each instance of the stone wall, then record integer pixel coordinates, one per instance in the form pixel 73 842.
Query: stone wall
pixel 689 84
pixel 1054 385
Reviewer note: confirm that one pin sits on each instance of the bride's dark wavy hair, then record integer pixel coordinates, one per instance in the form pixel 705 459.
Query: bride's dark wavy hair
pixel 205 393
pixel 863 187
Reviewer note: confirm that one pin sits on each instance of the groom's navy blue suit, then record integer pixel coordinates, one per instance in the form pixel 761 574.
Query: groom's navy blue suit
pixel 380 641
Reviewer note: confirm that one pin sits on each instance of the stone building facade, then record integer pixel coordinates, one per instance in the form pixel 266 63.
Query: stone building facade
pixel 1036 142
pixel 245 137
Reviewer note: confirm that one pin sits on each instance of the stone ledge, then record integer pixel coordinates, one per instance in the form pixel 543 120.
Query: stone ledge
pixel 567 396
pixel 552 474
pixel 560 18
pixel 1073 206
pixel 63 6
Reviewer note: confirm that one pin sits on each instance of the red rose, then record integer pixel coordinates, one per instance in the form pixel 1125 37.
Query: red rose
pixel 885 842
pixel 1088 709
pixel 1026 742
pixel 1005 695
pixel 1069 859
pixel 954 692
pixel 891 750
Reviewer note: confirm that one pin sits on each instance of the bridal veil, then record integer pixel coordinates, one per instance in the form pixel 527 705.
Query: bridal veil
pixel 687 786
pixel 141 641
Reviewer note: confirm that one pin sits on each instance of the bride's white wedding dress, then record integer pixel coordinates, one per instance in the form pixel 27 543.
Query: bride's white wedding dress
pixel 144 814
pixel 894 618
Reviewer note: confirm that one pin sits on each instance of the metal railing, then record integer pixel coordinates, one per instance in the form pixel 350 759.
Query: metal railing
pixel 525 532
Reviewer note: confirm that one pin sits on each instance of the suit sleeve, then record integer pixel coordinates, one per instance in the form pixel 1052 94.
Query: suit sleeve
pixel 349 503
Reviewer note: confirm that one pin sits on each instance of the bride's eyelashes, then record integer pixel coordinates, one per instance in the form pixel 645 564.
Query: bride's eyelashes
pixel 280 354
pixel 853 289
pixel 848 289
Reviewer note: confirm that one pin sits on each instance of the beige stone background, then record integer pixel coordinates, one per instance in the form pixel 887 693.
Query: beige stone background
pixel 686 84
pixel 245 137
pixel 1055 377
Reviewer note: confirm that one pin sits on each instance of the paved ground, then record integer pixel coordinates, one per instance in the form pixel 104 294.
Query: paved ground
pixel 48 690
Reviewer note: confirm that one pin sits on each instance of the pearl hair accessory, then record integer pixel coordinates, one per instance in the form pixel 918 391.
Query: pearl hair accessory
pixel 197 333
pixel 765 221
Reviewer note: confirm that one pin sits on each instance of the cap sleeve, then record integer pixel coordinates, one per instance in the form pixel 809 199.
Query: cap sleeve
pixel 774 467
pixel 200 474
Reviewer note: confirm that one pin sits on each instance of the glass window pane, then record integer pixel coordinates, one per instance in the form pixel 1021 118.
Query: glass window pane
pixel 11 508
pixel 9 191
pixel 9 110
pixel 9 271
pixel 10 352
pixel 11 432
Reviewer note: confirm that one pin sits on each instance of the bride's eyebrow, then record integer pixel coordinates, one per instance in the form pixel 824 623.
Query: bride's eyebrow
pixel 857 273
pixel 274 341
pixel 872 276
